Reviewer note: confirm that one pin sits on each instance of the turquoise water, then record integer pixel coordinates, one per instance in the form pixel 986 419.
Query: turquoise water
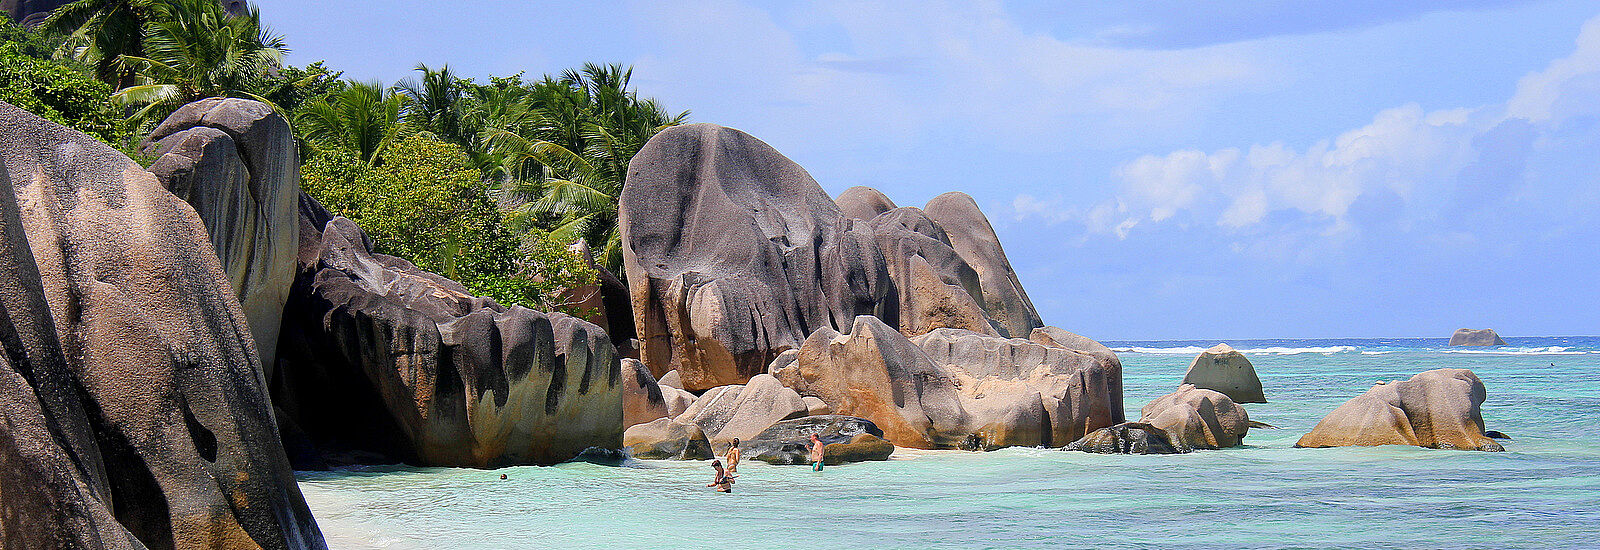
pixel 1544 492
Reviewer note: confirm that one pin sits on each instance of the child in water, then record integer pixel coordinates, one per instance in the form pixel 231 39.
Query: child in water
pixel 723 482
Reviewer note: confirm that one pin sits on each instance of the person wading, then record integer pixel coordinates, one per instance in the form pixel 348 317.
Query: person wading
pixel 816 453
pixel 733 457
pixel 722 482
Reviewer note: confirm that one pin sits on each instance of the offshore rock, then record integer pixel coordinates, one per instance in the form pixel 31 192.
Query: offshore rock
pixel 1198 418
pixel 973 237
pixel 133 412
pixel 1128 438
pixel 1476 337
pixel 1225 370
pixel 379 356
pixel 845 439
pixel 236 162
pixel 1034 394
pixel 734 254
pixel 642 399
pixel 1437 409
pixel 937 289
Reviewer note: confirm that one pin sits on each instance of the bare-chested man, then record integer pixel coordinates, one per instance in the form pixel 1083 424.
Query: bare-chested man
pixel 722 482
pixel 816 453
pixel 733 457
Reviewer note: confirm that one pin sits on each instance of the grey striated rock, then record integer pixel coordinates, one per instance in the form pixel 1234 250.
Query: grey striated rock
pixel 1438 409
pixel 642 399
pixel 1476 337
pixel 973 237
pixel 937 289
pixel 236 162
pixel 1076 392
pixel 863 203
pixel 665 438
pixel 132 407
pixel 734 254
pixel 381 357
pixel 740 412
pixel 1225 370
pixel 1198 418
pixel 845 439
pixel 1129 438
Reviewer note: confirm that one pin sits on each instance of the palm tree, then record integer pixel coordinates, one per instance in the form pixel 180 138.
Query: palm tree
pixel 194 50
pixel 100 32
pixel 363 118
pixel 436 104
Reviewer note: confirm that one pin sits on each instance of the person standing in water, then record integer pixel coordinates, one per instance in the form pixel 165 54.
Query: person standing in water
pixel 722 482
pixel 816 453
pixel 733 459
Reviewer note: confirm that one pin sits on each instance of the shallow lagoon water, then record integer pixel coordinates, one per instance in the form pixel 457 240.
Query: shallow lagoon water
pixel 1544 492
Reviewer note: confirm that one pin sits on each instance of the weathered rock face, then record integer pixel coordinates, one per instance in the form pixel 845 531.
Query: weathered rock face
pixel 844 438
pixel 1476 337
pixel 132 407
pixel 380 356
pixel 678 400
pixel 1225 370
pixel 734 254
pixel 1075 392
pixel 973 237
pixel 1437 409
pixel 877 374
pixel 1128 438
pixel 642 400
pixel 863 203
pixel 816 407
pixel 665 438
pixel 936 287
pixel 235 161
pixel 1198 418
pixel 740 412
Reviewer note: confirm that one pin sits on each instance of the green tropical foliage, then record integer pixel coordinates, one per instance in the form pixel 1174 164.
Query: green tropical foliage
pixel 101 32
pixel 195 49
pixel 59 92
pixel 362 118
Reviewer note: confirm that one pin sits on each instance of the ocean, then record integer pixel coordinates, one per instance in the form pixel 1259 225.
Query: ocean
pixel 1543 492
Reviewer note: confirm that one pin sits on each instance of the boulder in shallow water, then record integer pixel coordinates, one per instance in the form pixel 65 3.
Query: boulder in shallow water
pixel 734 254
pixel 1225 370
pixel 642 399
pixel 1476 337
pixel 844 438
pixel 742 411
pixel 1128 438
pixel 380 356
pixel 132 407
pixel 1437 409
pixel 1198 418
pixel 666 439
pixel 236 162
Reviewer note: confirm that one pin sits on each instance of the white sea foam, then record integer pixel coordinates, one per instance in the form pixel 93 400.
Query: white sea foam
pixel 1552 350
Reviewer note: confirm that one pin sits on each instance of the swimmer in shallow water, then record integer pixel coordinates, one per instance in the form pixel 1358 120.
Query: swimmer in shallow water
pixel 722 482
pixel 816 453
pixel 733 458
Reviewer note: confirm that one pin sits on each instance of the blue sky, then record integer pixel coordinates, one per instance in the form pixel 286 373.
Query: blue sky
pixel 1255 170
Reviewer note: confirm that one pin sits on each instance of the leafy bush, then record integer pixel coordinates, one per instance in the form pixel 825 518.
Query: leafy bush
pixel 426 203
pixel 60 93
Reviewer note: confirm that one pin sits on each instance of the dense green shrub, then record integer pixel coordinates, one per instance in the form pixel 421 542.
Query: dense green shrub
pixel 427 204
pixel 59 93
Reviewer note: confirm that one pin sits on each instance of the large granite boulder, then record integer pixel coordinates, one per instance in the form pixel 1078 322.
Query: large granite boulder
pixel 845 439
pixel 1061 338
pixel 664 438
pixel 1224 369
pixel 1077 392
pixel 973 237
pixel 382 357
pixel 1198 418
pixel 936 287
pixel 1438 409
pixel 875 373
pixel 734 254
pixel 642 399
pixel 1476 337
pixel 1128 438
pixel 863 203
pixel 236 162
pixel 133 412
pixel 733 412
